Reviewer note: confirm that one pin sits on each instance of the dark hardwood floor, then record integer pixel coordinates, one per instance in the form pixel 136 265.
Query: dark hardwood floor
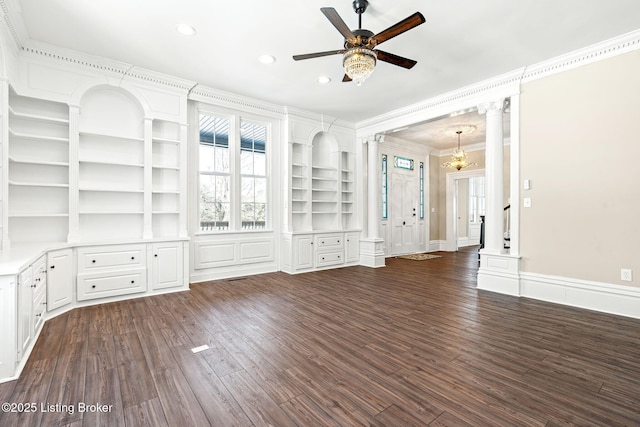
pixel 412 344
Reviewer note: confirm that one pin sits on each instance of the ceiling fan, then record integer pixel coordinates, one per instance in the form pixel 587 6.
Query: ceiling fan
pixel 360 54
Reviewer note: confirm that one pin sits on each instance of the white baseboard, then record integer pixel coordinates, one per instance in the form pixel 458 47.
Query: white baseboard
pixel 437 245
pixel 598 296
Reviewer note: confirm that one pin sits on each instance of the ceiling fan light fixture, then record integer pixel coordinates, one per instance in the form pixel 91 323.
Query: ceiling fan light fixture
pixel 359 63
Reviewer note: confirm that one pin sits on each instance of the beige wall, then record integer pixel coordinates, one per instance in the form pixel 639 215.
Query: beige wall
pixel 580 147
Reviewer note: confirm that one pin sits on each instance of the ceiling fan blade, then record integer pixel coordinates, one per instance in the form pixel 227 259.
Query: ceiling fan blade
pixel 317 54
pixel 395 59
pixel 399 28
pixel 337 22
pixel 346 79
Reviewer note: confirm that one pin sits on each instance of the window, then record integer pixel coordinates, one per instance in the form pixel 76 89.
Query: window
pixel 253 175
pixel 385 194
pixel 233 174
pixel 476 198
pixel 215 174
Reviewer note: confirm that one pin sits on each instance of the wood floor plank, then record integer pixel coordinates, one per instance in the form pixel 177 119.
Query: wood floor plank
pixel 103 392
pixel 32 387
pixel 136 383
pixel 68 381
pixel 217 403
pixel 255 402
pixel 178 401
pixel 145 414
pixel 395 416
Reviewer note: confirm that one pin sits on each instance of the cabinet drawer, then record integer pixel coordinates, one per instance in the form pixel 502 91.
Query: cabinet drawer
pixel 329 241
pixel 121 256
pixel 39 275
pixel 39 308
pixel 114 283
pixel 329 258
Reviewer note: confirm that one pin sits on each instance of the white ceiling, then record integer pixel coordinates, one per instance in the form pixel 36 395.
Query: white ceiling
pixel 462 42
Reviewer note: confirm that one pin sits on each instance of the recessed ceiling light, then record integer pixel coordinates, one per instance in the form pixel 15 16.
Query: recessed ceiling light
pixel 267 59
pixel 323 80
pixel 186 30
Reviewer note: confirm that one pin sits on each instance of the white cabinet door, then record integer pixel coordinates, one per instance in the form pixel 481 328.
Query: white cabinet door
pixel 303 252
pixel 166 265
pixel 353 247
pixel 8 325
pixel 25 306
pixel 59 279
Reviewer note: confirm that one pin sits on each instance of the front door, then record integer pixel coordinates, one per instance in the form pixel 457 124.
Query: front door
pixel 403 194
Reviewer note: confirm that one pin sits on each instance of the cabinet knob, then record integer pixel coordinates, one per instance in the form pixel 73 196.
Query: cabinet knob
pixel 338 256
pixel 133 257
pixel 338 241
pixel 39 314
pixel 93 261
pixel 322 242
pixel 33 286
pixel 156 255
pixel 93 286
pixel 323 258
pixel 53 266
pixel 133 281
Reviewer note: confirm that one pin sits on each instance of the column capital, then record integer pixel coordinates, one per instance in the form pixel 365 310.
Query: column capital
pixel 378 137
pixel 495 106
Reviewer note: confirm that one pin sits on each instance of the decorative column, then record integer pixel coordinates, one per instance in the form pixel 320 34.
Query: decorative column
pixel 147 228
pixel 373 187
pixel 371 247
pixel 74 174
pixel 499 271
pixel 494 180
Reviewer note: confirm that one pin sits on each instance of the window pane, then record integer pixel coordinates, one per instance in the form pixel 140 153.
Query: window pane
pixel 214 143
pixel 259 164
pixel 248 190
pixel 260 185
pixel 246 162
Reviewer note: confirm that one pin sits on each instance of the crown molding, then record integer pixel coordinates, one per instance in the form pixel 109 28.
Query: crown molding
pixel 35 49
pixel 231 100
pixel 597 52
pixel 15 27
pixel 329 121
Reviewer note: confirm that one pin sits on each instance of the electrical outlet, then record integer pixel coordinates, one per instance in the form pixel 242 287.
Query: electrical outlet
pixel 626 274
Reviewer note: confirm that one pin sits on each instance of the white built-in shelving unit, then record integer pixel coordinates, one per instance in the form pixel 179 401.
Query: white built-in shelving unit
pixel 38 171
pixel 111 162
pixel 165 178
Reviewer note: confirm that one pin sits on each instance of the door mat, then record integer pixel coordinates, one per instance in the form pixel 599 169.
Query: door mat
pixel 420 257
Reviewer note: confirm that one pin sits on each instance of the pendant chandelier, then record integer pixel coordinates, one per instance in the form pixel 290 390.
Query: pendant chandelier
pixel 359 63
pixel 458 158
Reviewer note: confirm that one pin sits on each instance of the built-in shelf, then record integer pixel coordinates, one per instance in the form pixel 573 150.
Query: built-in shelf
pixel 176 168
pixel 13 159
pixel 112 136
pixel 166 212
pixel 112 163
pixel 166 140
pixel 36 215
pixel 111 189
pixel 107 212
pixel 37 117
pixel 38 184
pixel 37 137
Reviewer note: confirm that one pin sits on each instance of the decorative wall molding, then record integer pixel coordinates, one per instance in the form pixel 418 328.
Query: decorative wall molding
pixel 17 29
pixel 230 100
pixel 596 52
pixel 598 296
pixel 120 69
